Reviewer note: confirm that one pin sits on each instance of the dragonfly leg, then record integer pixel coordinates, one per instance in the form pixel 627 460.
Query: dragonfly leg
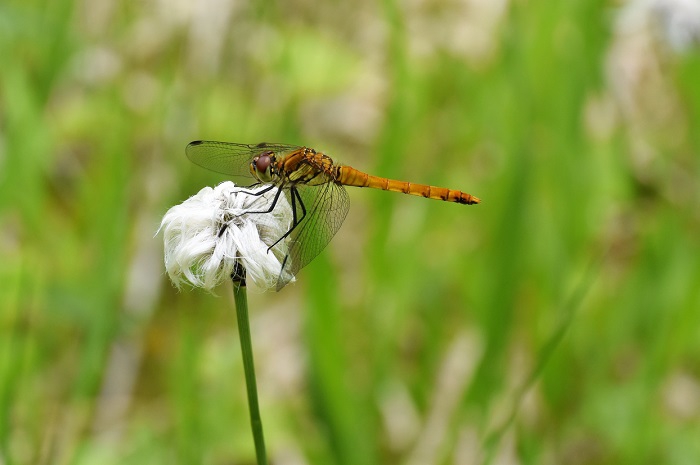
pixel 295 222
pixel 274 201
pixel 260 192
pixel 272 207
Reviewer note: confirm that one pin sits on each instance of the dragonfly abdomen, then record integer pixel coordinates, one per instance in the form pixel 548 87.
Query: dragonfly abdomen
pixel 349 176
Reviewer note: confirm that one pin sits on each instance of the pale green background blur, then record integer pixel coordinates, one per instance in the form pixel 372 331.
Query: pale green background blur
pixel 557 322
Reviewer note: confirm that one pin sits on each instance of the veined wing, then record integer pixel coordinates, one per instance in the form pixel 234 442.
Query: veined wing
pixel 231 158
pixel 326 206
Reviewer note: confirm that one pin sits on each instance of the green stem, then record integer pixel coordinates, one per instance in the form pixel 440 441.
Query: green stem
pixel 241 298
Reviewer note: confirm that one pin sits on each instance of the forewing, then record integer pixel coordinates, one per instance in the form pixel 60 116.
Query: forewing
pixel 230 158
pixel 327 206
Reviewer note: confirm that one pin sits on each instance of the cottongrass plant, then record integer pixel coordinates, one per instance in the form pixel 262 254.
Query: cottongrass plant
pixel 212 231
pixel 221 233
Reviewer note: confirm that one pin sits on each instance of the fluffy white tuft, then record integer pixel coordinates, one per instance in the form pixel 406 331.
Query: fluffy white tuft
pixel 680 22
pixel 199 254
pixel 677 22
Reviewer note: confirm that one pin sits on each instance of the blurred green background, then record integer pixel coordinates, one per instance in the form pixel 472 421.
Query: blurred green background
pixel 557 322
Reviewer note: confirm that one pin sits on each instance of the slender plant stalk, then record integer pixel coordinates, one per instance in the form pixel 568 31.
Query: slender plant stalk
pixel 568 312
pixel 240 296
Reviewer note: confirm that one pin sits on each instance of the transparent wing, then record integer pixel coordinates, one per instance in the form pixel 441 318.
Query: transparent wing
pixel 230 158
pixel 326 206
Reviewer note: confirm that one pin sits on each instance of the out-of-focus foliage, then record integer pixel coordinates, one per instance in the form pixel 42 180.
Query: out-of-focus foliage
pixel 557 322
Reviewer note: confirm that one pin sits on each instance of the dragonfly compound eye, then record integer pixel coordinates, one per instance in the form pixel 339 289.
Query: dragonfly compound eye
pixel 262 163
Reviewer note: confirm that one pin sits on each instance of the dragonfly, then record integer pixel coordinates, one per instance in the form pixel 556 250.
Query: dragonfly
pixel 313 185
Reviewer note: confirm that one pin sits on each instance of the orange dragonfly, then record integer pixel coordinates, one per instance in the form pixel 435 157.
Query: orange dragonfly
pixel 313 184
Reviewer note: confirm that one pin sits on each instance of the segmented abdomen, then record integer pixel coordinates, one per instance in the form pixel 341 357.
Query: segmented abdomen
pixel 349 176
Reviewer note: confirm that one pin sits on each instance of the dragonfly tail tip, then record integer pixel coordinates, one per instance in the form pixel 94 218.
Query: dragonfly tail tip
pixel 470 199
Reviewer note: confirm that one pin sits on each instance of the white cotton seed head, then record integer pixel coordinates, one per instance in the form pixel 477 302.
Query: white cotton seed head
pixel 679 21
pixel 198 253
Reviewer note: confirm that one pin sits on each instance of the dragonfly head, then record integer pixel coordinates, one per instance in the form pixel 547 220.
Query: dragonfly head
pixel 262 166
